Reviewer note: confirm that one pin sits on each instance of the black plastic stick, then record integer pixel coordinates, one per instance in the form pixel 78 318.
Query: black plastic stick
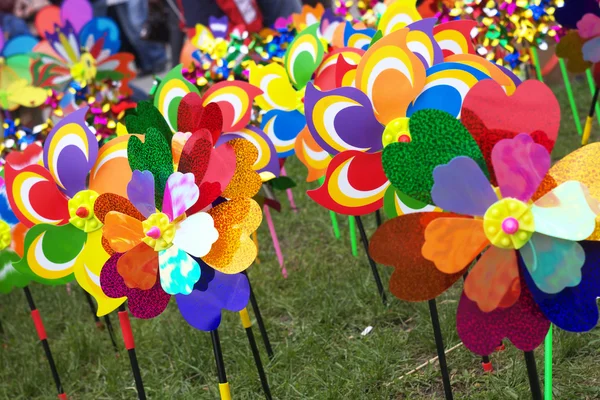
pixel 439 344
pixel 378 218
pixel 534 381
pixel 41 331
pixel 130 346
pixel 223 384
pixel 247 324
pixel 363 236
pixel 99 324
pixel 259 320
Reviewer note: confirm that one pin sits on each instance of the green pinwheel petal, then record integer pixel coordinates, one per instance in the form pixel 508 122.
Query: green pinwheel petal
pixel 50 253
pixel 153 155
pixel 378 35
pixel 303 56
pixel 9 276
pixel 437 137
pixel 20 64
pixel 396 203
pixel 169 93
pixel 147 116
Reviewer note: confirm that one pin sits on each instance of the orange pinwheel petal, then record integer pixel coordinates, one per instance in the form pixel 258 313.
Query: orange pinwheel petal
pixel 122 231
pixel 452 243
pixel 108 202
pixel 139 267
pixel 494 281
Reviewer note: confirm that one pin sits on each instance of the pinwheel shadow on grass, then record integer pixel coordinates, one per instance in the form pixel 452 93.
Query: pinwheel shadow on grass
pixel 314 318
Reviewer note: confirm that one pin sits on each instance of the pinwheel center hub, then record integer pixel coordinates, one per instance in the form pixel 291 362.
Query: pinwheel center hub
pixel 5 237
pixel 159 231
pixel 509 223
pixel 396 131
pixel 85 70
pixel 81 211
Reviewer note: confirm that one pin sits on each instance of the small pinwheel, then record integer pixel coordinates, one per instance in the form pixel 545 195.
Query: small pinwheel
pixel 57 203
pixel 580 47
pixel 12 234
pixel 79 49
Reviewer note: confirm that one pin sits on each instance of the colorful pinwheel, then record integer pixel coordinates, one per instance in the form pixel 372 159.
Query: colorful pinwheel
pixel 195 247
pixel 580 47
pixel 56 202
pixel 431 68
pixel 11 245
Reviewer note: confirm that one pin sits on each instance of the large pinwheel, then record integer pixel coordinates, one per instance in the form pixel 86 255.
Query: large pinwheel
pixel 12 234
pixel 56 201
pixel 431 69
pixel 80 49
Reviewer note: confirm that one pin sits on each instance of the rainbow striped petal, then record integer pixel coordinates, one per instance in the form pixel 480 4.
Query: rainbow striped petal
pixel 454 37
pixel 308 17
pixel 398 15
pixel 357 38
pixel 446 86
pixel 421 42
pixel 277 92
pixel 235 100
pixel 325 77
pixel 70 152
pixel 387 64
pixel 355 184
pixel 111 173
pixel 311 155
pixel 282 127
pixel 303 57
pixel 488 68
pixel 169 94
pixel 396 203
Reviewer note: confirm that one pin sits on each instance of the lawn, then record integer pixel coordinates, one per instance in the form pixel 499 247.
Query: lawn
pixel 314 318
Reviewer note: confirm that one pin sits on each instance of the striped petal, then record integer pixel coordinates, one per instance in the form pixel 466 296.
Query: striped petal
pixel 235 98
pixel 311 155
pixel 277 92
pixel 454 37
pixel 398 15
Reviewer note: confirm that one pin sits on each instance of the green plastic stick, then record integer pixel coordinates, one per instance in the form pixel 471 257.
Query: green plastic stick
pixel 548 365
pixel 536 64
pixel 563 70
pixel 352 226
pixel 334 223
pixel 592 86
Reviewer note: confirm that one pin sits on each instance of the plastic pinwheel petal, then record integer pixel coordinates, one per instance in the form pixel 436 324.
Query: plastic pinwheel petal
pixel 303 56
pixel 235 250
pixel 357 38
pixel 523 324
pixel 119 67
pixel 390 63
pixel 396 203
pixel 147 116
pixel 144 304
pixel 108 202
pixel 76 12
pixel 591 50
pixel 454 37
pixel 461 187
pixel 567 212
pixel 398 15
pixel 355 184
pixel 554 264
pixel 50 253
pixel 179 140
pixel 100 36
pixel 342 119
pixel 453 243
pixel 308 17
pixel 178 271
pixel 193 116
pixel 87 273
pixel 111 173
pixel 180 194
pixel 494 281
pixel 65 43
pixel 9 277
pixel 277 92
pixel 196 234
pixel 235 99
pixel 154 155
pixel 520 165
pixel 326 75
pixel 575 308
pixel 436 138
pixel 245 182
pixel 140 191
pixel 345 73
pixel 282 128
pixel 122 231
pixel 311 155
pixel 494 71
pixel 167 98
pixel 214 292
pixel 398 243
pixel 46 18
pixel 422 43
pixel 139 267
pixel 570 49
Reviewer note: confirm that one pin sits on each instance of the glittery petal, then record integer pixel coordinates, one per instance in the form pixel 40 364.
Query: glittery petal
pixel 245 181
pixel 140 191
pixel 180 194
pixel 178 271
pixel 108 202
pixel 177 144
pixel 122 231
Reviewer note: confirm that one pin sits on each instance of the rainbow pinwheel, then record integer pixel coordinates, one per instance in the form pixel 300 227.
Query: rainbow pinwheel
pixel 11 245
pixel 79 49
pixel 527 230
pixel 198 243
pixel 283 89
pixel 16 87
pixel 431 69
pixel 56 202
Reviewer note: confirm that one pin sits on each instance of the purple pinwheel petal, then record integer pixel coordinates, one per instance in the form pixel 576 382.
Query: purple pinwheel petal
pixel 214 292
pixel 344 122
pixel 1 40
pixel 218 26
pixel 428 58
pixel 591 50
pixel 461 187
pixel 77 12
pixel 65 42
pixel 70 152
pixel 520 165
pixel 140 191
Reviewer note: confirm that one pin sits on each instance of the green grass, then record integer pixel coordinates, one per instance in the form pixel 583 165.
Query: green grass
pixel 314 318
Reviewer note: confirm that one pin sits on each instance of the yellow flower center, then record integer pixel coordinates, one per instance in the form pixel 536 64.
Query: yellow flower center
pixel 4 235
pixel 509 223
pixel 396 131
pixel 85 70
pixel 81 210
pixel 159 231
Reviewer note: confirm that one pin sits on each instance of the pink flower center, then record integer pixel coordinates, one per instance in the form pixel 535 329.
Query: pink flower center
pixel 153 232
pixel 510 225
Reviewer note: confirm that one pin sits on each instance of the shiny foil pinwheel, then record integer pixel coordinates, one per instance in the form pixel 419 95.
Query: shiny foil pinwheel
pixel 526 229
pixel 432 68
pixel 55 200
pixel 184 228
